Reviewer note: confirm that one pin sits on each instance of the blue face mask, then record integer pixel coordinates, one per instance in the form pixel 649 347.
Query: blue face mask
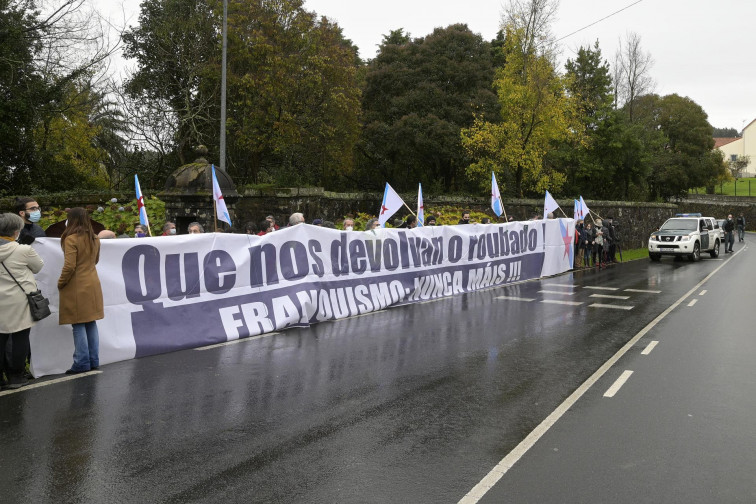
pixel 35 216
pixel 140 235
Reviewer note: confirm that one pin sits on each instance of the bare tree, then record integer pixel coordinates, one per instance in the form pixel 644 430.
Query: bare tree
pixel 739 164
pixel 534 17
pixel 632 68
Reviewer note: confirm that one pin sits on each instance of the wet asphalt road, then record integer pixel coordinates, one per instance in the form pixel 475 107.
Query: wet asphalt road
pixel 680 430
pixel 413 404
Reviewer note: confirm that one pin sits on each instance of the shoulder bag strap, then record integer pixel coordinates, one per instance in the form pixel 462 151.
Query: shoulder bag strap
pixel 14 278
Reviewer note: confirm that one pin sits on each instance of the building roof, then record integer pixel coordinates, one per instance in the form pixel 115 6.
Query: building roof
pixel 719 142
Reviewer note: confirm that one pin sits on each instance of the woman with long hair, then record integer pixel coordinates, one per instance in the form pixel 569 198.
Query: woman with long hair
pixel 80 292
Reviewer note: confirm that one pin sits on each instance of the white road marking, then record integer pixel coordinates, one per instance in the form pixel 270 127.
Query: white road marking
pixel 34 385
pixel 703 292
pixel 644 291
pixel 234 342
pixel 601 288
pixel 612 306
pixel 608 296
pixel 500 469
pixel 556 292
pixel 692 302
pixel 618 384
pixel 650 347
pixel 515 298
pixel 559 286
pixel 557 301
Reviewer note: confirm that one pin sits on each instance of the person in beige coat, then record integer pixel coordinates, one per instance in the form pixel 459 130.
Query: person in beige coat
pixel 22 262
pixel 80 292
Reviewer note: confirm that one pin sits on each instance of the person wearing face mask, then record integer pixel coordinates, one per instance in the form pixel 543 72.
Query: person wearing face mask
pixel 139 231
pixel 28 209
pixel 19 264
pixel 348 225
pixel 169 229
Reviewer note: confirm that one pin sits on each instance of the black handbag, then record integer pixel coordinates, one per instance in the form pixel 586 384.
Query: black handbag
pixel 39 305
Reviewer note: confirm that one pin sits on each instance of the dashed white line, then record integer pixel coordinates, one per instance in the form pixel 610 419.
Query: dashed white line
pixel 48 382
pixel 650 347
pixel 234 342
pixel 644 291
pixel 557 301
pixel 703 292
pixel 494 475
pixel 559 286
pixel 692 302
pixel 556 292
pixel 612 306
pixel 515 298
pixel 594 287
pixel 618 384
pixel 608 296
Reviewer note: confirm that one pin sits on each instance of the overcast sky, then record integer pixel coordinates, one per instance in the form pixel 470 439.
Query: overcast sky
pixel 700 48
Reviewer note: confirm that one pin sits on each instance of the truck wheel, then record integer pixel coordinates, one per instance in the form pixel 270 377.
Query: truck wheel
pixel 696 255
pixel 715 251
pixel 654 257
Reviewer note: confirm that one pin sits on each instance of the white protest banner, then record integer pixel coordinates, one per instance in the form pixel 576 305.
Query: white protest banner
pixel 170 293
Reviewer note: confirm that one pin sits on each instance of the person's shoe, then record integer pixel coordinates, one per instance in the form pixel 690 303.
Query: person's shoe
pixel 74 371
pixel 16 383
pixel 94 368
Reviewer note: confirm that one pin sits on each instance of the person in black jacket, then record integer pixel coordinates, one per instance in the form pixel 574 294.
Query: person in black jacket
pixel 29 210
pixel 579 243
pixel 740 222
pixel 590 236
pixel 729 227
pixel 611 240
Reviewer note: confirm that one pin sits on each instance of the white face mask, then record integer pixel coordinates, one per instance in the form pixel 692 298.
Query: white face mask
pixel 348 228
pixel 172 231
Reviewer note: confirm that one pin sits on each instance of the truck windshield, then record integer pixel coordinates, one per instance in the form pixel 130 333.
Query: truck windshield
pixel 680 225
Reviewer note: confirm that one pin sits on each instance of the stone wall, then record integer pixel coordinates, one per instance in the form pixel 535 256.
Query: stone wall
pixel 635 221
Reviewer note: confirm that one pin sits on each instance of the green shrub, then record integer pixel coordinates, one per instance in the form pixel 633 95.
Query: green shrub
pixel 119 217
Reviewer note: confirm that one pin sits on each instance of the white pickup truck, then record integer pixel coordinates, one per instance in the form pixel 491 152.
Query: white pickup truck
pixel 685 236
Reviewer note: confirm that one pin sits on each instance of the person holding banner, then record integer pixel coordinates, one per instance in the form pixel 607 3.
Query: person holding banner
pixel 80 292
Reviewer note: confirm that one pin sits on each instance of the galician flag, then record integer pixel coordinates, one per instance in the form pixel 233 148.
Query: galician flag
pixel 498 208
pixel 584 210
pixel 143 220
pixel 576 210
pixel 549 205
pixel 420 206
pixel 220 203
pixel 392 202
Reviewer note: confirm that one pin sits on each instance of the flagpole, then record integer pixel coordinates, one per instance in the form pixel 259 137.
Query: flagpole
pixel 410 210
pixel 215 215
pixel 223 87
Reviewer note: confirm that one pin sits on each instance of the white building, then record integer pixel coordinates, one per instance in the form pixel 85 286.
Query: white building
pixel 742 146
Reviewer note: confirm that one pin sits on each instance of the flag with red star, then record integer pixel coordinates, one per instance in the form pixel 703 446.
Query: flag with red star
pixel 220 203
pixel 392 202
pixel 143 220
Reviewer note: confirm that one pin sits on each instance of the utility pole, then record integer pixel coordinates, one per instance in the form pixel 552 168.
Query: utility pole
pixel 223 91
